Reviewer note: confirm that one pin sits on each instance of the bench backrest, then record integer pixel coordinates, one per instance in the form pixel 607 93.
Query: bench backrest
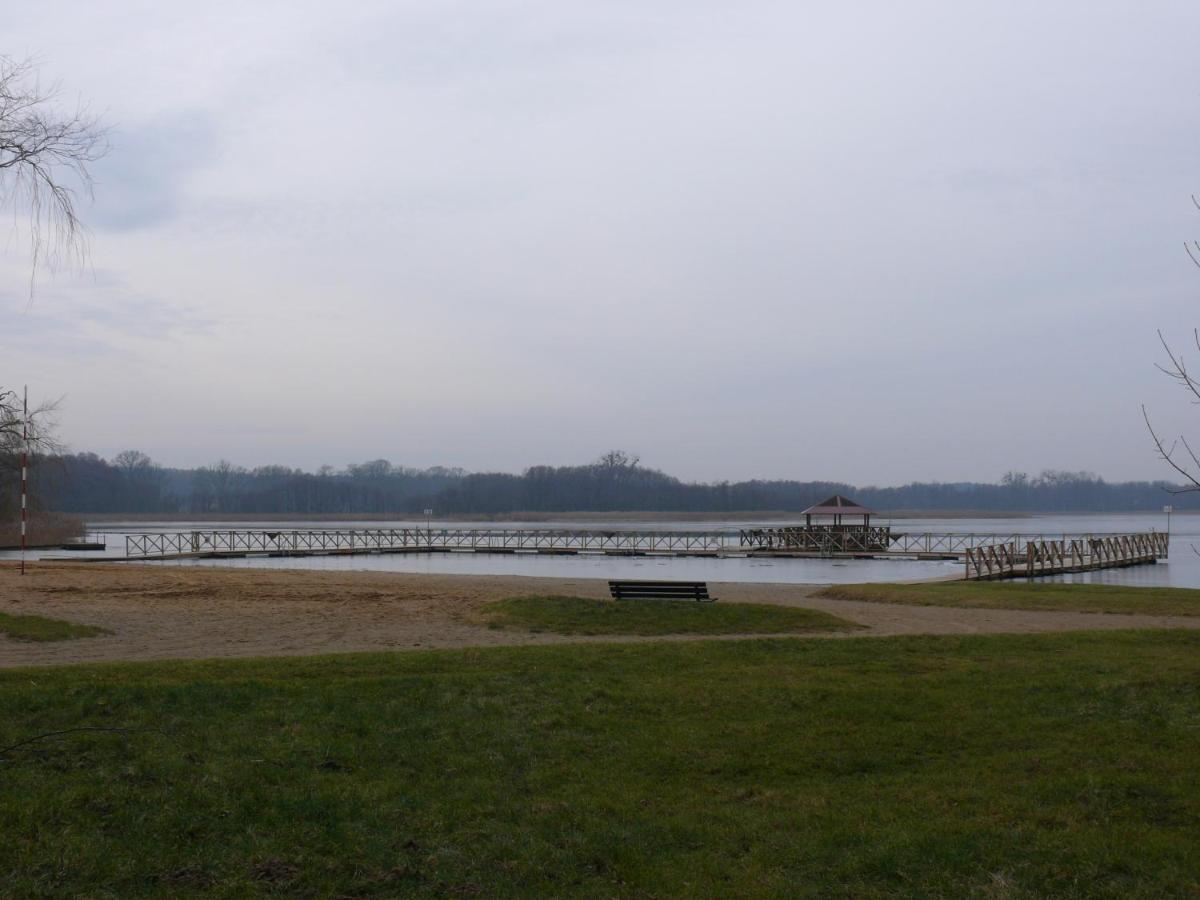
pixel 659 590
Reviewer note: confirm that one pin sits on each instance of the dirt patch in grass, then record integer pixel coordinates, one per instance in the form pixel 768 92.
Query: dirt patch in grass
pixel 580 615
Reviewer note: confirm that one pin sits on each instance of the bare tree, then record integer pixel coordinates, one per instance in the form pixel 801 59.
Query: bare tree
pixel 143 481
pixel 217 486
pixel 617 459
pixel 1179 454
pixel 46 150
pixel 131 462
pixel 14 422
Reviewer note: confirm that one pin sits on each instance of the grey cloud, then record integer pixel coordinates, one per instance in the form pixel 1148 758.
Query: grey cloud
pixel 943 233
pixel 140 182
pixel 95 314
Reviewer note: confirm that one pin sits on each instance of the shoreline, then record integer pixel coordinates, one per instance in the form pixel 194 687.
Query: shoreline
pixel 196 612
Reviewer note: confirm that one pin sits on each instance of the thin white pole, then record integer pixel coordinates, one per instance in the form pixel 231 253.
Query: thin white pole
pixel 24 471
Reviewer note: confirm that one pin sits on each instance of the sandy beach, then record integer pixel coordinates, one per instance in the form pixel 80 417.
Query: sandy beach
pixel 182 612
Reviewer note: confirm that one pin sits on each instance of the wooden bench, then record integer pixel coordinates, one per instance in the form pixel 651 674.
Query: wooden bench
pixel 660 590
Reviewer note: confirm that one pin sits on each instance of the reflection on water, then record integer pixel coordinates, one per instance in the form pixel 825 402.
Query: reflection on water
pixel 1183 569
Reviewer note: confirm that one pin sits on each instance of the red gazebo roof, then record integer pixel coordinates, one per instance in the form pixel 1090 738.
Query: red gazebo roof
pixel 837 505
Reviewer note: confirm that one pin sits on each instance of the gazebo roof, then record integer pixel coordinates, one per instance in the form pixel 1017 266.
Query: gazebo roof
pixel 837 505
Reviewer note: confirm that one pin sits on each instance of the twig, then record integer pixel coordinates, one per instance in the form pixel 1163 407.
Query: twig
pixel 49 734
pixel 1168 456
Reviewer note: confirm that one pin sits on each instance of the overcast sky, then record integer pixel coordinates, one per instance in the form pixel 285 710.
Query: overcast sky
pixel 872 242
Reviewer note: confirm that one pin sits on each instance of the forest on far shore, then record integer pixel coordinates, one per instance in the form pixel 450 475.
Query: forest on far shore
pixel 131 482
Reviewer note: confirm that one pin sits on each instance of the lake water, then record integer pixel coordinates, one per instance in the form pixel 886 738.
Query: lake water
pixel 1182 570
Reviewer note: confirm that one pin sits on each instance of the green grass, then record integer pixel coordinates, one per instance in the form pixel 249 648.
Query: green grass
pixel 39 628
pixel 1094 598
pixel 1005 766
pixel 576 615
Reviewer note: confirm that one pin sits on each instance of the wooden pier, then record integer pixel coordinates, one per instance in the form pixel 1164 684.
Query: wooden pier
pixel 422 540
pixel 985 555
pixel 819 538
pixel 1034 557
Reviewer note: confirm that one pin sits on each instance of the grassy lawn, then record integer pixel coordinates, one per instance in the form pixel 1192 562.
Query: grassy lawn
pixel 1097 598
pixel 1003 766
pixel 576 615
pixel 38 628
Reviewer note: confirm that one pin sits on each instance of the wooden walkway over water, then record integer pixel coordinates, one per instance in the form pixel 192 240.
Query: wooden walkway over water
pixel 985 555
pixel 1036 556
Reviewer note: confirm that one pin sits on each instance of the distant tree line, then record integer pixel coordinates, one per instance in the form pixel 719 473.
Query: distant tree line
pixel 131 482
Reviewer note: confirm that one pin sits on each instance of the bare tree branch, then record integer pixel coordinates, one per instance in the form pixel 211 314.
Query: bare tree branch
pixel 13 425
pixel 1178 372
pixel 45 154
pixel 1168 456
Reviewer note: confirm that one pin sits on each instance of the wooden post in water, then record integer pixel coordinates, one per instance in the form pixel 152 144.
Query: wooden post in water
pixel 1168 510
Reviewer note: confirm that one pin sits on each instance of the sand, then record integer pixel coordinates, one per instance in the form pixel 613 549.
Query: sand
pixel 181 612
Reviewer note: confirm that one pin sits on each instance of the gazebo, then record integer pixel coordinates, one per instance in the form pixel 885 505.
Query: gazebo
pixel 825 531
pixel 837 506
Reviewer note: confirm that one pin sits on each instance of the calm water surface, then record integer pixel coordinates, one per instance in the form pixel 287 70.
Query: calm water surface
pixel 1182 570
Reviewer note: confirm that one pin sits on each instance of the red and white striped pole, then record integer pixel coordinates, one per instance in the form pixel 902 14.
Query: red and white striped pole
pixel 24 469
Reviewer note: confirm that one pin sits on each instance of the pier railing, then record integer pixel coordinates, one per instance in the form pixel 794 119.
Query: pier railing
pixel 1035 556
pixel 383 540
pixel 818 538
pixel 984 555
